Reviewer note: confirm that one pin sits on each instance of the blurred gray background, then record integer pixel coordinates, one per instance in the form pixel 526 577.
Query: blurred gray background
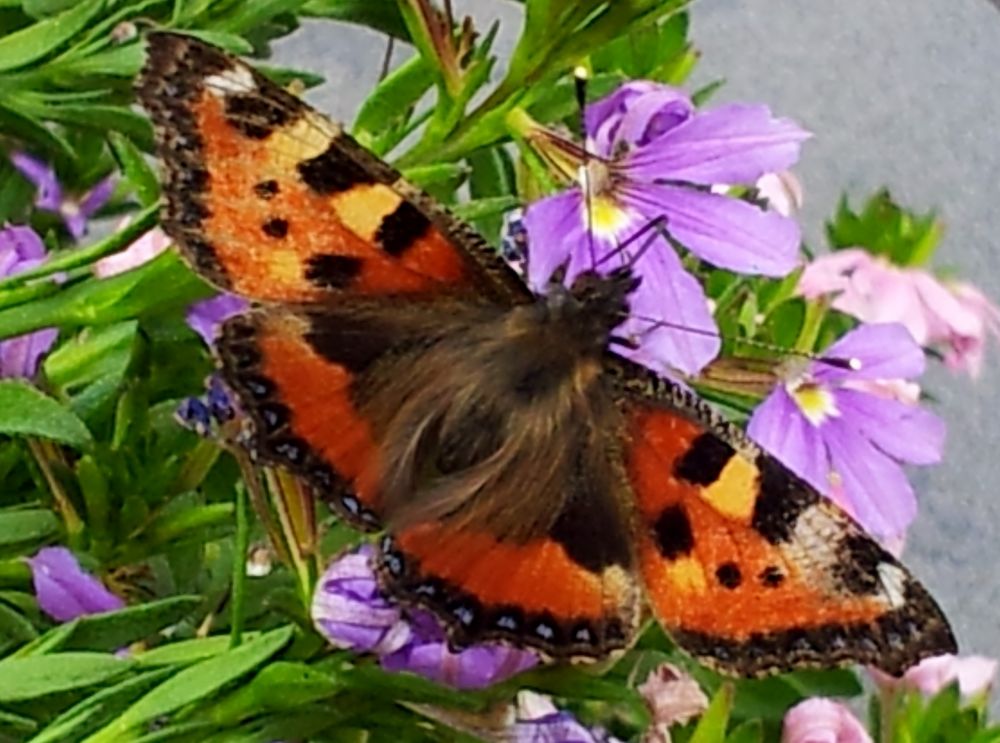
pixel 902 93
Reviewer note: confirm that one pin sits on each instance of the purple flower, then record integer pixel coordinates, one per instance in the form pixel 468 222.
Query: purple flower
pixel 540 721
pixel 350 610
pixel 652 156
pixel 844 429
pixel 20 250
pixel 206 316
pixel 205 415
pixel 64 591
pixel 50 196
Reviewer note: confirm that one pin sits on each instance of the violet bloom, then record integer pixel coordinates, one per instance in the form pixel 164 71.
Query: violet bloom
pixel 822 721
pixel 64 590
pixel 208 413
pixel 539 721
pixel 952 317
pixel 838 426
pixel 206 317
pixel 652 156
pixel 21 249
pixel 350 610
pixel 50 196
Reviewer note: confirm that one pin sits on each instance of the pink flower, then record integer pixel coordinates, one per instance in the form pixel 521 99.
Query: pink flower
pixel 143 250
pixel 822 721
pixel 954 318
pixel 975 675
pixel 782 191
pixel 673 698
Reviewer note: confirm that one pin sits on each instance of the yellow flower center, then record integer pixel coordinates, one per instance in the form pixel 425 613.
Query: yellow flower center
pixel 602 213
pixel 815 401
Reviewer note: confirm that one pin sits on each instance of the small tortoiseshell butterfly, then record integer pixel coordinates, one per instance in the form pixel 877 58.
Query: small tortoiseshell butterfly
pixel 532 485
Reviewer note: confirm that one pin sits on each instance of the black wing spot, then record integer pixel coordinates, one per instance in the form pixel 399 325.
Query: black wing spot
pixel 704 461
pixel 857 566
pixel 266 190
pixel 333 271
pixel 401 229
pixel 729 575
pixel 674 537
pixel 781 499
pixel 275 227
pixel 771 576
pixel 332 171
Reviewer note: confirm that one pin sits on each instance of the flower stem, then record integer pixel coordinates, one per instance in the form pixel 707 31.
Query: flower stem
pixel 258 499
pixel 288 501
pixel 45 454
pixel 811 325
pixel 240 547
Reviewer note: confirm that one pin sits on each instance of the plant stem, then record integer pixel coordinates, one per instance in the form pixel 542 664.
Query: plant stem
pixel 240 547
pixel 811 325
pixel 45 454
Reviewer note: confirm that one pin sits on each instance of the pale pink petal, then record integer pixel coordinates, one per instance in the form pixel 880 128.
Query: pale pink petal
pixel 975 674
pixel 782 191
pixel 139 252
pixel 822 721
pixel 831 273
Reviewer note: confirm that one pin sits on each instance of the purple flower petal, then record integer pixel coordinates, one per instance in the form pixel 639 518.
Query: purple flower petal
pixel 670 294
pixel 64 591
pixel 726 232
pixel 780 428
pixel 20 356
pixel 907 433
pixel 730 144
pixel 20 249
pixel 634 115
pixel 349 610
pixel 875 487
pixel 49 196
pixel 98 196
pixel 206 316
pixel 886 351
pixel 472 668
pixel 540 721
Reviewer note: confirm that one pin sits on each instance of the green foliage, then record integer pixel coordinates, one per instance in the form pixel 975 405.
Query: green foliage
pixel 92 457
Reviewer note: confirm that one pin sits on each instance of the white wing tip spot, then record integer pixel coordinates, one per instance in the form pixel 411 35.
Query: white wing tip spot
pixel 893 583
pixel 233 80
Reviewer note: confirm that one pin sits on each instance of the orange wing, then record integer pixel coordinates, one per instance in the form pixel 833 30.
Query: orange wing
pixel 269 199
pixel 748 567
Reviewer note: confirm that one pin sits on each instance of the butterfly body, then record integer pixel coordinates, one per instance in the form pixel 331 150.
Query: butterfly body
pixel 532 485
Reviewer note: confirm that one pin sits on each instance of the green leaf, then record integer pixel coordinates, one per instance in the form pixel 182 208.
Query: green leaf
pixel 100 117
pixel 15 626
pixel 712 726
pixel 381 121
pixel 26 411
pixel 195 683
pixel 37 676
pixel 44 8
pixel 278 686
pixel 136 169
pixel 85 716
pixel 39 39
pixel 117 629
pixel 18 527
pixel 31 131
pixel 748 732
pixel 382 15
pixel 188 651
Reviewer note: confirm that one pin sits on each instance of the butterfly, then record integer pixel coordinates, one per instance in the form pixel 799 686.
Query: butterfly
pixel 530 485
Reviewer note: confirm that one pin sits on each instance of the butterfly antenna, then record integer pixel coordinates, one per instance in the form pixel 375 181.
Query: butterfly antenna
pixel 580 80
pixel 658 224
pixel 850 363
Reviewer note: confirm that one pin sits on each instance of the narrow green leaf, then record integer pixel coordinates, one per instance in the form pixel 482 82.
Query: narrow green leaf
pixel 749 732
pixel 25 526
pixel 26 411
pixel 39 39
pixel 15 626
pixel 137 170
pixel 49 642
pixel 188 651
pixel 195 683
pixel 113 630
pixel 278 686
pixel 36 134
pixel 380 15
pixel 29 678
pixel 712 726
pixel 85 716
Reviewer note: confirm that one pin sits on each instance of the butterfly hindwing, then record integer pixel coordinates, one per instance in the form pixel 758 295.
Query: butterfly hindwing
pixel 270 199
pixel 746 565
